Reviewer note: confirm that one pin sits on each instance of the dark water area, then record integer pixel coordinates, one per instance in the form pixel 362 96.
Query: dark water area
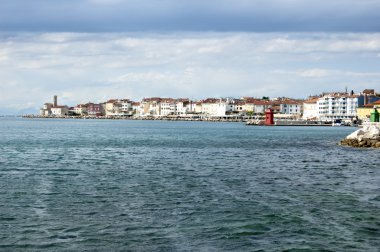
pixel 98 185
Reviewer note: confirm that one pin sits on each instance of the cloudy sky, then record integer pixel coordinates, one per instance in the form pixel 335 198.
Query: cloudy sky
pixel 93 50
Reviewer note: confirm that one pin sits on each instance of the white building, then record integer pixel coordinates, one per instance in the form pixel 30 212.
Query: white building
pixel 60 111
pixel 46 109
pixel 239 106
pixel 150 107
pixel 290 107
pixel 337 106
pixel 310 109
pixel 126 107
pixel 136 108
pixel 52 109
pixel 119 107
pixel 168 107
pixel 260 106
pixel 185 106
pixel 217 107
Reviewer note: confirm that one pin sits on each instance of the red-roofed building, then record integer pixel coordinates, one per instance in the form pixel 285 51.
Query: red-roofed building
pixel 136 108
pixel 80 109
pixel 150 107
pixel 218 107
pixel 94 109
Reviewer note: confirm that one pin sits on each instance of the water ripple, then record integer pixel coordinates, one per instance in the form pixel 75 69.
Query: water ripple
pixel 75 185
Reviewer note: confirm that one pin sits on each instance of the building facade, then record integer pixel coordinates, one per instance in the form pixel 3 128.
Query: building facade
pixel 337 106
pixel 60 111
pixel 290 107
pixel 80 109
pixel 94 109
pixel 310 109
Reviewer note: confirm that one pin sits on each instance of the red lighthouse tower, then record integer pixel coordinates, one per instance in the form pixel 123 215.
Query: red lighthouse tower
pixel 269 117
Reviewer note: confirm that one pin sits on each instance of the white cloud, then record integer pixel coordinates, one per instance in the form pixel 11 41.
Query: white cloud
pixel 322 73
pixel 322 43
pixel 82 67
pixel 315 73
pixel 140 77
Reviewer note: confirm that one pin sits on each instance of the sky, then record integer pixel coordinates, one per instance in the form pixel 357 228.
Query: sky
pixel 94 50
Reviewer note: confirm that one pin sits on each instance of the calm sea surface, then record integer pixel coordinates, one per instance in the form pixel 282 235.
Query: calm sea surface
pixel 100 185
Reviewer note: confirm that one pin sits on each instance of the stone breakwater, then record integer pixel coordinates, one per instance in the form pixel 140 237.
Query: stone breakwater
pixel 368 136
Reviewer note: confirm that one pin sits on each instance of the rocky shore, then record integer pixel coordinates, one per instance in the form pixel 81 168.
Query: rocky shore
pixel 368 136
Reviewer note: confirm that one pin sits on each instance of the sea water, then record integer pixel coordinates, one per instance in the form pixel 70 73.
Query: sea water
pixel 103 185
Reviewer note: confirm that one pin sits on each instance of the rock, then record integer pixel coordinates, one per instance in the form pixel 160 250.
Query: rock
pixel 368 136
pixel 368 143
pixel 373 132
pixel 362 143
pixel 356 134
pixel 373 142
pixel 354 143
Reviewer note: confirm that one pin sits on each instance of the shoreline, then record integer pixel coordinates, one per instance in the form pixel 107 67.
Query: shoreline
pixel 247 121
pixel 141 118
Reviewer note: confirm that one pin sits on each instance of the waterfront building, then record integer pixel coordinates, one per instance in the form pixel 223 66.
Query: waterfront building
pixel 118 107
pixel 46 109
pixel 126 107
pixel 217 107
pixel 185 106
pixel 248 108
pixel 94 109
pixel 249 104
pixel 60 111
pixel 364 112
pixel 113 107
pixel 261 105
pixel 168 106
pixel 53 109
pixel 198 107
pixel 337 106
pixel 310 109
pixel 80 109
pixel 71 111
pixel 136 108
pixel 326 107
pixel 150 106
pixel 238 106
pixel 210 107
pixel 290 107
pixel 368 96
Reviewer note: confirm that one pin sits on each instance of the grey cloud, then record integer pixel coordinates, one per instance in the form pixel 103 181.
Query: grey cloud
pixel 196 15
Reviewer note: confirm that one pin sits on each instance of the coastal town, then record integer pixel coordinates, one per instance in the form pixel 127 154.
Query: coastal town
pixel 326 107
